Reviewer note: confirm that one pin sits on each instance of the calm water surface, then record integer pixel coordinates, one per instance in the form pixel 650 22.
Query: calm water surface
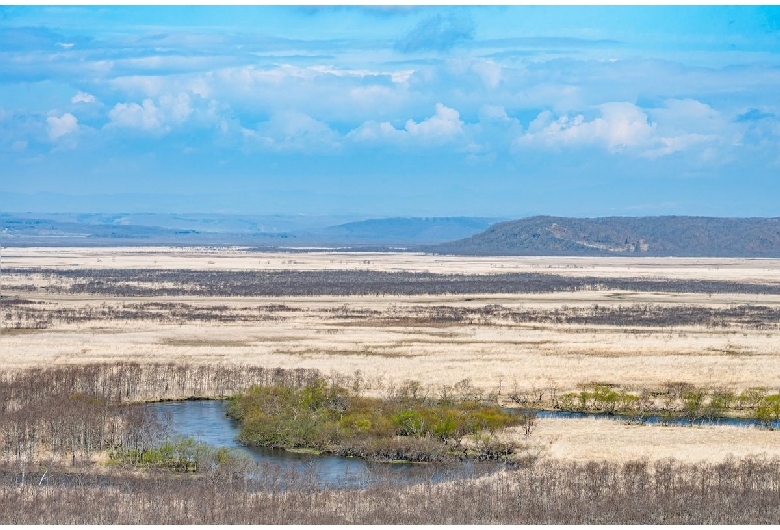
pixel 207 423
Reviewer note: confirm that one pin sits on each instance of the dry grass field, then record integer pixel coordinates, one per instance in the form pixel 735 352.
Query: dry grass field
pixel 498 341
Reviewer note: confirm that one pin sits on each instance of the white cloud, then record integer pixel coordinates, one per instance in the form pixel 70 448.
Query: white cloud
pixel 146 117
pixel 178 108
pixel 679 116
pixel 442 127
pixel 490 73
pixel 293 131
pixel 494 132
pixel 679 125
pixel 145 85
pixel 59 127
pixel 149 116
pixel 371 95
pixel 83 97
pixel 493 113
pixel 620 126
pixel 673 144
pixel 374 131
pixel 560 97
pixel 684 123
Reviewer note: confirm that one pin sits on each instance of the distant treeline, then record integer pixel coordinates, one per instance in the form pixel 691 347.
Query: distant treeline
pixel 650 315
pixel 154 282
pixel 22 314
pixel 545 492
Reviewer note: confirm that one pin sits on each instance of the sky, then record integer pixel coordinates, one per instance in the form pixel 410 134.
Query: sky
pixel 504 111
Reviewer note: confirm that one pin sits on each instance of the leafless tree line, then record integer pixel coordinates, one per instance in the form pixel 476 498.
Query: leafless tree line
pixel 543 492
pixel 21 313
pixel 26 314
pixel 153 282
pixel 82 410
pixel 745 316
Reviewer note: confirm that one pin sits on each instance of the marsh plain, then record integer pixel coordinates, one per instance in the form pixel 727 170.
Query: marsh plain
pixel 534 325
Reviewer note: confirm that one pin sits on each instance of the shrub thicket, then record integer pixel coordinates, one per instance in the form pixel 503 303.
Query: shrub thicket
pixel 333 418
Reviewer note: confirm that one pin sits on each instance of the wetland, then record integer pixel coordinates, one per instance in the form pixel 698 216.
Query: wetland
pixel 373 355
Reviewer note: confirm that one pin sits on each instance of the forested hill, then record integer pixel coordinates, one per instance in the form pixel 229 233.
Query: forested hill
pixel 624 236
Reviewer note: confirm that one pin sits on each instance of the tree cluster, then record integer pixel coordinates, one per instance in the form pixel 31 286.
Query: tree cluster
pixel 83 410
pixel 407 424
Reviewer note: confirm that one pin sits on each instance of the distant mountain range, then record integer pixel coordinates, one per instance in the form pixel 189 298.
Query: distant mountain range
pixel 623 236
pixel 533 236
pixel 405 230
pixel 256 231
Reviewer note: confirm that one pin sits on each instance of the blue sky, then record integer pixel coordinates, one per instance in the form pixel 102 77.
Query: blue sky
pixel 412 111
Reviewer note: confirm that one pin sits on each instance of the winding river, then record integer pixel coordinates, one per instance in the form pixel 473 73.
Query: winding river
pixel 206 422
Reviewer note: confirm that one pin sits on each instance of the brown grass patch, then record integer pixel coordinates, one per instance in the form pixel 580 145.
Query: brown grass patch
pixel 21 331
pixel 209 343
pixel 403 323
pixel 365 352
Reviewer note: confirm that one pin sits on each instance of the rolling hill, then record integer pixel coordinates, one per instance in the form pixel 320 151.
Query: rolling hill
pixel 623 236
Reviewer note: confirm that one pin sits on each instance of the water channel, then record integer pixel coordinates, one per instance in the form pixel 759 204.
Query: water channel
pixel 206 422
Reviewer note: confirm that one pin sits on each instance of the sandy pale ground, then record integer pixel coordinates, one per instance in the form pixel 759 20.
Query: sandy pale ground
pixel 604 439
pixel 237 258
pixel 329 333
pixel 492 354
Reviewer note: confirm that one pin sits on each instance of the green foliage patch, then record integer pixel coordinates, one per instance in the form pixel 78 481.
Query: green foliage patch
pixel 183 454
pixel 335 419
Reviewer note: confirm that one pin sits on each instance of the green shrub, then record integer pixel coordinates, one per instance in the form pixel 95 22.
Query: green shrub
pixel 331 418
pixel 768 409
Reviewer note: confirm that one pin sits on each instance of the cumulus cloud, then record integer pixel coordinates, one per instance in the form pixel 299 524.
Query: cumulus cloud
pixel 620 126
pixel 688 115
pixel 177 108
pixel 673 144
pixel 490 72
pixel 59 127
pixel 443 126
pixel 437 33
pixel 374 131
pixel 491 113
pixel 292 131
pixel 495 130
pixel 445 123
pixel 146 116
pixel 685 123
pixel 675 126
pixel 83 97
pixel 150 116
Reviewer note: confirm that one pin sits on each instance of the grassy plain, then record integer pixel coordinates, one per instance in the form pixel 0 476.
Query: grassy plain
pixel 392 338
